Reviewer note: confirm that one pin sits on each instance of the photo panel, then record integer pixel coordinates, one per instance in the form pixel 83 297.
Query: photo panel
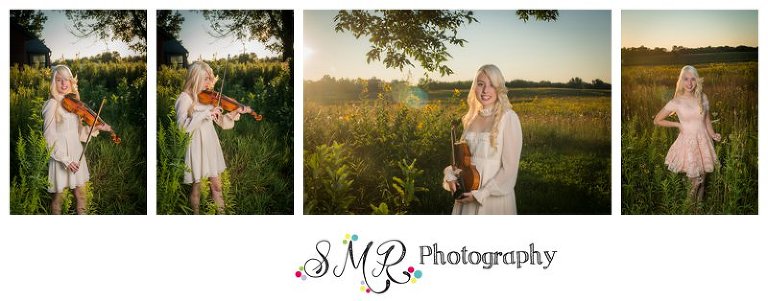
pixel 225 112
pixel 689 112
pixel 512 107
pixel 78 99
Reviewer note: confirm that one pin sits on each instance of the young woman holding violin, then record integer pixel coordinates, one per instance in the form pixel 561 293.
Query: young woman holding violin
pixel 494 138
pixel 197 109
pixel 64 131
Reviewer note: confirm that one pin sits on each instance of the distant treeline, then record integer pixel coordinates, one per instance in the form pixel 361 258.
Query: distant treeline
pixel 104 57
pixel 331 89
pixel 681 55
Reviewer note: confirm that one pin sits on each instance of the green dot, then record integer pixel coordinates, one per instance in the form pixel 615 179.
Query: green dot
pixel 344 241
pixel 301 268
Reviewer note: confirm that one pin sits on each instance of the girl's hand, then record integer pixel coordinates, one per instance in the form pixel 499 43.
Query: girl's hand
pixel 215 113
pixel 716 137
pixel 104 127
pixel 466 198
pixel 245 110
pixel 452 185
pixel 73 166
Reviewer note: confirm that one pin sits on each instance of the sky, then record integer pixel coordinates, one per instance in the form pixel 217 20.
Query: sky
pixel 578 44
pixel 691 29
pixel 194 35
pixel 57 36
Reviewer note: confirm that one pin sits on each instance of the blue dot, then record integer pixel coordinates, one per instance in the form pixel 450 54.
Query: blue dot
pixel 417 274
pixel 354 237
pixel 303 277
pixel 362 282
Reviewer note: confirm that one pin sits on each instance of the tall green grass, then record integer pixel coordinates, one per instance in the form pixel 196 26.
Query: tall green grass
pixel 385 155
pixel 647 186
pixel 118 172
pixel 259 155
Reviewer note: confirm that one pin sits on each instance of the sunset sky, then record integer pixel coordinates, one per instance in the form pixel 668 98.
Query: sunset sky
pixel 691 29
pixel 577 44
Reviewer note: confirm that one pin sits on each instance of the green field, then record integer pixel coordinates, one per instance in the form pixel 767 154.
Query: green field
pixel 385 154
pixel 118 172
pixel 259 155
pixel 647 186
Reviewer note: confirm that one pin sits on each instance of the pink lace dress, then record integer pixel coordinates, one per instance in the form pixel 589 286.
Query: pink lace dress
pixel 693 152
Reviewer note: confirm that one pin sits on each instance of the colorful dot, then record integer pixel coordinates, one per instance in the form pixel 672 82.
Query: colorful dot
pixel 417 274
pixel 410 269
pixel 346 236
pixel 367 290
pixel 301 268
pixel 354 237
pixel 303 277
pixel 362 288
pixel 362 282
pixel 298 274
pixel 344 241
pixel 413 280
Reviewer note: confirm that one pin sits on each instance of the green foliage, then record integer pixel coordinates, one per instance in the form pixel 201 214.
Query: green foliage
pixel 29 188
pixel 382 209
pixel 392 141
pixel 118 172
pixel 259 155
pixel 169 22
pixel 171 147
pixel 406 186
pixel 32 21
pixel 647 186
pixel 399 36
pixel 328 180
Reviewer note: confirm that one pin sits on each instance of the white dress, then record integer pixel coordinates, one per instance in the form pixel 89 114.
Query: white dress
pixel 64 138
pixel 497 168
pixel 204 157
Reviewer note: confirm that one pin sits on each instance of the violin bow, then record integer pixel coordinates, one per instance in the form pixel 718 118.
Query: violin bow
pixel 88 140
pixel 223 79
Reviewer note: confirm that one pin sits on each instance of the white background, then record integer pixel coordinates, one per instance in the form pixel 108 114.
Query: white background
pixel 254 257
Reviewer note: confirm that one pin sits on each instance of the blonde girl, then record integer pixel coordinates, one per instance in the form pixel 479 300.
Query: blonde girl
pixel 693 152
pixel 64 132
pixel 494 136
pixel 204 157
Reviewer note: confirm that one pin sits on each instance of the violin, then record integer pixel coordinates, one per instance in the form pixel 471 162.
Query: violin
pixel 210 97
pixel 468 178
pixel 73 104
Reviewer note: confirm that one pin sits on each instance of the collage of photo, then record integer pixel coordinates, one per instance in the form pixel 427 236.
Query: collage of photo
pixel 403 112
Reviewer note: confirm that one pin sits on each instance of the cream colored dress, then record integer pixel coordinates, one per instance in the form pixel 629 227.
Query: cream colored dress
pixel 204 157
pixel 497 168
pixel 64 137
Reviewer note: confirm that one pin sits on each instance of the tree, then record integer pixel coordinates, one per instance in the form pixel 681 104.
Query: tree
pixel 33 21
pixel 274 28
pixel 169 22
pixel 404 36
pixel 122 25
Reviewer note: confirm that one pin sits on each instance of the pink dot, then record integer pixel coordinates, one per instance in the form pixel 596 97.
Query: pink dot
pixel 410 269
pixel 367 290
pixel 298 274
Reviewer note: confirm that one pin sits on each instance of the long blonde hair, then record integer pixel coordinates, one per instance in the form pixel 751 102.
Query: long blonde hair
pixel 195 78
pixel 697 92
pixel 502 101
pixel 54 92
